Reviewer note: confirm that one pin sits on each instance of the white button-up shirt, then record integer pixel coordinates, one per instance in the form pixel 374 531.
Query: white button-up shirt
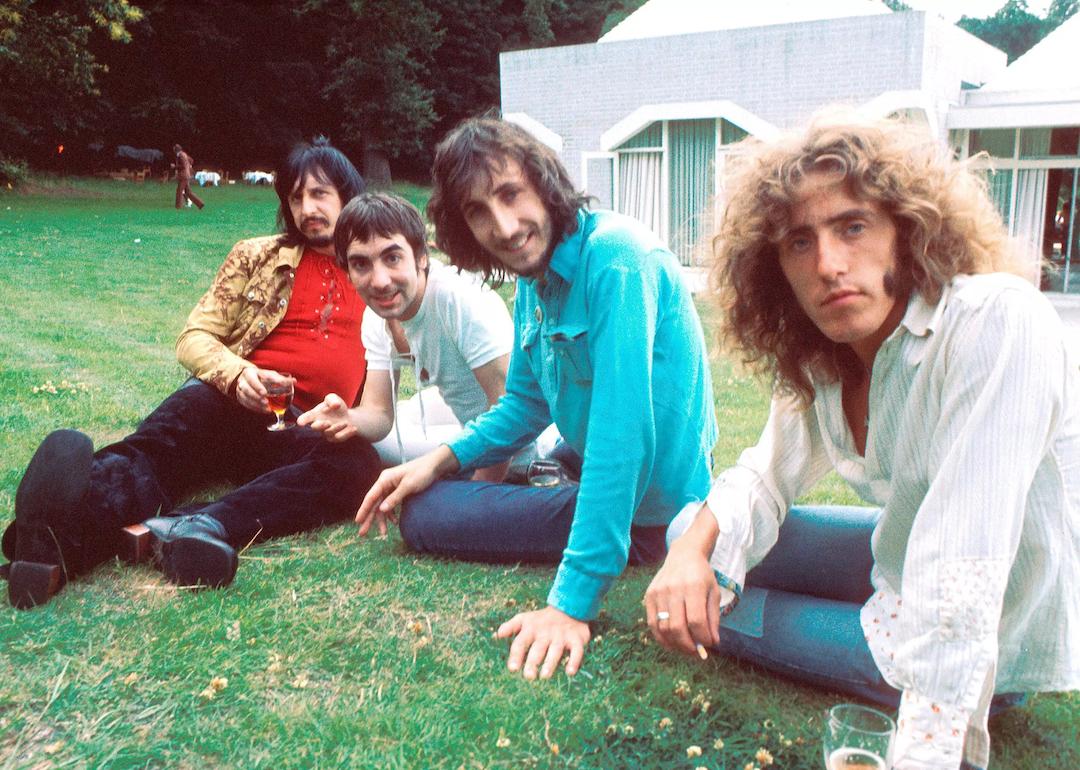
pixel 973 454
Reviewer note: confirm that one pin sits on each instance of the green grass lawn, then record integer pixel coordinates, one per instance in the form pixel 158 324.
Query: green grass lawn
pixel 327 651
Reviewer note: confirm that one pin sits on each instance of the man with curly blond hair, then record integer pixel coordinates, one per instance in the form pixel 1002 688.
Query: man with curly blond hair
pixel 865 272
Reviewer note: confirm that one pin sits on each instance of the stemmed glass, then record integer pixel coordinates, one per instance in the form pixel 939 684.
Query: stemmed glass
pixel 279 394
pixel 857 738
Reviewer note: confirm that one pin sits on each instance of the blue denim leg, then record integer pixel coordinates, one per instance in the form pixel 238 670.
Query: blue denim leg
pixel 504 523
pixel 807 595
pixel 800 611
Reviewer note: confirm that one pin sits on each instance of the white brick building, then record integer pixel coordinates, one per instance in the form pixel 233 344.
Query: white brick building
pixel 642 117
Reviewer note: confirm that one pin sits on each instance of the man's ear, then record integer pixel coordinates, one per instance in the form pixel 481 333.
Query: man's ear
pixel 422 261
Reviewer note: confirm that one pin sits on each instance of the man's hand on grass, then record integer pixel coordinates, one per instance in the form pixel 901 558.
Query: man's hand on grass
pixel 541 639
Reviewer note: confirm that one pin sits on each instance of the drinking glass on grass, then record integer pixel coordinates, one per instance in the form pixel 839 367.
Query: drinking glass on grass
pixel 857 738
pixel 279 394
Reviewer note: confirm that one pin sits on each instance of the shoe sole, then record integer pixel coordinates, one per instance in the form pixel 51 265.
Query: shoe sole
pixel 31 584
pixel 194 561
pixel 136 544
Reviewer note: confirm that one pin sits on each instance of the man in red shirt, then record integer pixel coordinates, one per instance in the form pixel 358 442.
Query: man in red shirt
pixel 183 167
pixel 278 304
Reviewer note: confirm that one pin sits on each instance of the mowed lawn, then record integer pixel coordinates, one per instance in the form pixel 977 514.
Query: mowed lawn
pixel 328 650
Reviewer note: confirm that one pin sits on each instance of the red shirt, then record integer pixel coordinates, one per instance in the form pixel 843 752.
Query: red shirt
pixel 318 339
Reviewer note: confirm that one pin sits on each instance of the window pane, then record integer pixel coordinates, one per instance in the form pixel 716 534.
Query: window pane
pixel 652 137
pixel 730 133
pixel 1034 142
pixel 997 142
pixel 1064 141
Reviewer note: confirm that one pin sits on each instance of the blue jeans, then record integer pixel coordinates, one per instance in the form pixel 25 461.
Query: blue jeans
pixel 504 523
pixel 283 481
pixel 799 615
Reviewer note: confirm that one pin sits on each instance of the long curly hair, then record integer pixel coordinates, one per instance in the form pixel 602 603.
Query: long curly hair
pixel 946 225
pixel 472 151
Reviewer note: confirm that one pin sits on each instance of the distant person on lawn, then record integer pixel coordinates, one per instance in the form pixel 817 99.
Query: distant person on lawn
pixel 278 304
pixel 448 327
pixel 184 173
pixel 867 273
pixel 608 345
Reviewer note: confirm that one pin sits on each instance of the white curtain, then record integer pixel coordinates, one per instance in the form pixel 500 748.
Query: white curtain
pixel 639 187
pixel 1029 219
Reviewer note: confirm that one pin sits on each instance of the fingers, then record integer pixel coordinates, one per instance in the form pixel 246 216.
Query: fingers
pixel 372 500
pixel 541 640
pixel 668 616
pixel 250 391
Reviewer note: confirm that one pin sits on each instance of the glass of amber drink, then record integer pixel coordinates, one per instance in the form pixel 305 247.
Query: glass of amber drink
pixel 857 738
pixel 279 394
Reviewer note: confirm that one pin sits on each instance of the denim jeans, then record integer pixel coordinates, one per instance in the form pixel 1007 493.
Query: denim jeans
pixel 284 481
pixel 504 523
pixel 799 615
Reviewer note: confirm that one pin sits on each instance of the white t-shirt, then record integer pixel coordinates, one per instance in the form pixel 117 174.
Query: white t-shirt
pixel 461 325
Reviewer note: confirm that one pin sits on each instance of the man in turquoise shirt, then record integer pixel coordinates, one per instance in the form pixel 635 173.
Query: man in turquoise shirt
pixel 609 347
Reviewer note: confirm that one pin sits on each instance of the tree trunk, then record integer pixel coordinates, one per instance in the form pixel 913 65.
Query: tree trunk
pixel 376 170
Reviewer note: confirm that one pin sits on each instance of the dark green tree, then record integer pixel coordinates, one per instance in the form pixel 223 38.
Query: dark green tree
pixel 50 75
pixel 1013 29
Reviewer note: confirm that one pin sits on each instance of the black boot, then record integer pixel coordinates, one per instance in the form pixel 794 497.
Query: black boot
pixel 192 550
pixel 45 545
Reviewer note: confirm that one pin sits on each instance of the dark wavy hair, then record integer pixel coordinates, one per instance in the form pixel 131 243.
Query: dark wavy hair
pixel 327 164
pixel 946 225
pixel 472 151
pixel 381 214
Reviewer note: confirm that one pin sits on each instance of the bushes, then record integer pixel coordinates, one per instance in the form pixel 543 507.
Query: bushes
pixel 12 171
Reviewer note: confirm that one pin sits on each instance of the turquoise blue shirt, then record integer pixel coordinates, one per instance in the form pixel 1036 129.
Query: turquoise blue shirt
pixel 610 348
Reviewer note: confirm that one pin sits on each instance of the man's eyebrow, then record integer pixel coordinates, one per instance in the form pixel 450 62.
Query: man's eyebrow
pixel 852 213
pixel 364 255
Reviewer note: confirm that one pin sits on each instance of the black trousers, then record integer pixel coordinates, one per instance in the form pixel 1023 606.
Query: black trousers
pixel 285 481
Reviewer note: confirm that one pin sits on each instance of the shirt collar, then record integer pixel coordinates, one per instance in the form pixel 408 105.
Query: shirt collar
pixel 921 317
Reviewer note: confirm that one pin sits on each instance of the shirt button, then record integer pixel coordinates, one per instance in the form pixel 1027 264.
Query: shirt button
pixel 251 296
pixel 539 315
pixel 262 324
pixel 281 302
pixel 292 274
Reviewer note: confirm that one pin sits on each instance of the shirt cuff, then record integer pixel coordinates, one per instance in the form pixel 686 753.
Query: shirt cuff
pixel 578 594
pixel 729 554
pixel 929 735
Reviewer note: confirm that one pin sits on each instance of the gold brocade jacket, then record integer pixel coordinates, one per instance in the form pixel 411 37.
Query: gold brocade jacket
pixel 247 299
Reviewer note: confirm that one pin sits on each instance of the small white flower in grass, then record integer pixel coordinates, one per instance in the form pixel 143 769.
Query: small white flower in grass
pixel 628 729
pixel 718 744
pixel 232 633
pixel 665 723
pixel 693 751
pixel 763 757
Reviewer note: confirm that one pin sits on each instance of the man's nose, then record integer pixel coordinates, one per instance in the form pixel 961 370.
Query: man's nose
pixel 504 222
pixel 831 258
pixel 380 276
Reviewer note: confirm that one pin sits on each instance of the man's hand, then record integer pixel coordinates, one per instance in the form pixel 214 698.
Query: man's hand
pixel 682 603
pixel 395 484
pixel 251 388
pixel 330 418
pixel 542 637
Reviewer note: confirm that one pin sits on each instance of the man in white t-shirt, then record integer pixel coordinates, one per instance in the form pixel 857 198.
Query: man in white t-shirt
pixel 451 330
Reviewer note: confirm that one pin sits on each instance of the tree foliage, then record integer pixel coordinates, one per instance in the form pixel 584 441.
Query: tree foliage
pixel 1014 29
pixel 51 79
pixel 238 81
